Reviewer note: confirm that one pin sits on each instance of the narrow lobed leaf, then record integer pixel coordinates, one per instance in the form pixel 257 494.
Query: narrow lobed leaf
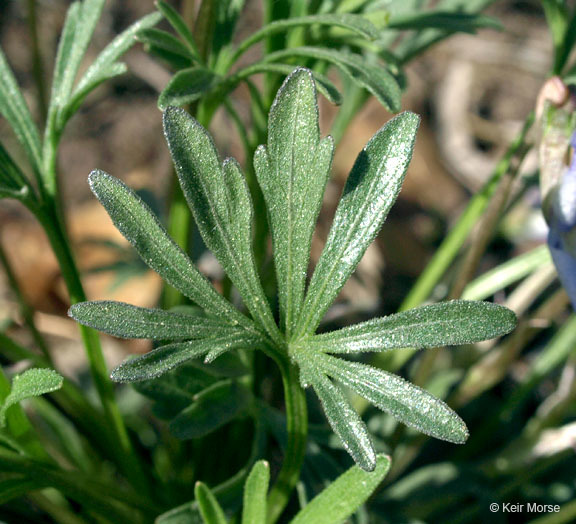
pixel 32 383
pixel 406 402
pixel 293 171
pixel 445 21
pixel 345 422
pixel 210 509
pixel 447 323
pixel 163 359
pixel 220 202
pixel 179 25
pixel 14 109
pixel 127 321
pixel 137 223
pixel 13 183
pixel 255 490
pixel 370 191
pixel 344 496
pixel 166 41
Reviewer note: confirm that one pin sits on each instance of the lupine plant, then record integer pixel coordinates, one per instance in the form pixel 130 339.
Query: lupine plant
pixel 292 169
pixel 251 407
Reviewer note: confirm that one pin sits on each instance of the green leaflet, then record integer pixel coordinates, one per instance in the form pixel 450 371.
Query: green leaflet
pixel 220 202
pixel 179 25
pixel 14 109
pixel 165 41
pixel 106 66
pixel 163 359
pixel 375 78
pixel 136 222
pixel 293 171
pixel 212 408
pixel 211 511
pixel 32 383
pixel 255 490
pixel 406 402
pixel 371 189
pixel 345 422
pixel 343 496
pixel 127 321
pixel 447 323
pixel 188 85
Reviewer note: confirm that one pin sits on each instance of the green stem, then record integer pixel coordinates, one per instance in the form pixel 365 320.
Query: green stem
pixel 297 428
pixel 25 310
pixel 61 247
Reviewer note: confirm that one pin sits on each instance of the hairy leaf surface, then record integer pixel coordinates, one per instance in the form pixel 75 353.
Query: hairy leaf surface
pixel 220 202
pixel 187 86
pixel 210 509
pixel 406 402
pixel 255 491
pixel 136 222
pixel 32 383
pixel 448 323
pixel 371 189
pixel 293 171
pixel 344 496
pixel 127 321
pixel 163 359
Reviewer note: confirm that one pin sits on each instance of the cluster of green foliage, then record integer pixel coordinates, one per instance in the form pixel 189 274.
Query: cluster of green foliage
pixel 205 380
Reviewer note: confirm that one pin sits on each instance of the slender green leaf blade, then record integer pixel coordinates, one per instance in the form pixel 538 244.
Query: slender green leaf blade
pixel 14 109
pixel 179 25
pixel 113 51
pixel 166 41
pixel 406 402
pixel 220 202
pixel 444 20
pixel 19 486
pixel 345 422
pixel 210 509
pixel 187 86
pixel 163 359
pixel 255 490
pixel 127 321
pixel 138 224
pixel 344 496
pixel 371 189
pixel 32 383
pixel 448 323
pixel 211 409
pixel 374 78
pixel 293 171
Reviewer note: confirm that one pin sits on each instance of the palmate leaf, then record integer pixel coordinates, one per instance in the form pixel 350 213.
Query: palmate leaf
pixel 343 496
pixel 371 189
pixel 127 321
pixel 163 359
pixel 447 323
pixel 406 402
pixel 142 229
pixel 220 202
pixel 293 171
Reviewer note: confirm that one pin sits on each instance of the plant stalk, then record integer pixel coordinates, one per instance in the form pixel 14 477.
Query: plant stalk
pixel 297 428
